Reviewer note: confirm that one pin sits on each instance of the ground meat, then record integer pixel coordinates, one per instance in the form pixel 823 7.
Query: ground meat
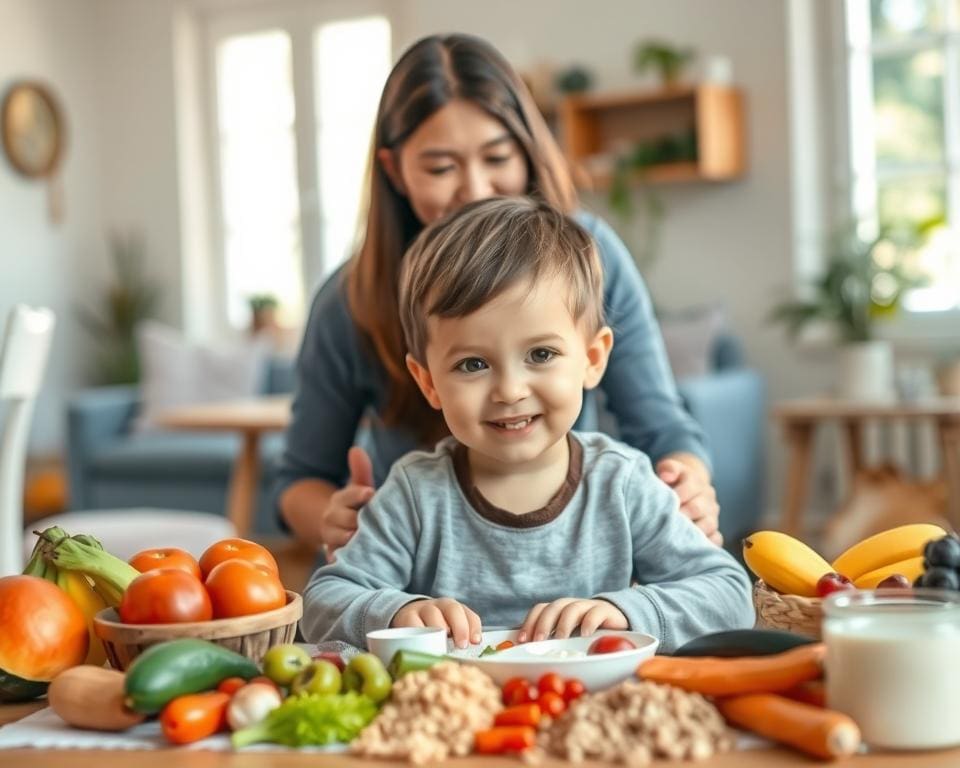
pixel 431 714
pixel 635 723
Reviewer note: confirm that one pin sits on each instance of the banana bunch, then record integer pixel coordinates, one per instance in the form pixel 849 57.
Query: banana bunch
pixel 790 566
pixel 92 577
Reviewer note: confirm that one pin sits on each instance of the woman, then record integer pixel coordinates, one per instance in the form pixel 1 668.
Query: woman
pixel 456 124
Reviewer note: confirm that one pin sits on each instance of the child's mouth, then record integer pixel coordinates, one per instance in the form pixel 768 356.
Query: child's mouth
pixel 514 425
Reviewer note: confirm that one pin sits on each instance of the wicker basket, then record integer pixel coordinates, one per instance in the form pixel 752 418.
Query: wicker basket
pixel 250 635
pixel 792 613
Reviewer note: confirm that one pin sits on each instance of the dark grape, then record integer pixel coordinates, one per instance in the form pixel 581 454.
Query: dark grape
pixel 943 553
pixel 941 578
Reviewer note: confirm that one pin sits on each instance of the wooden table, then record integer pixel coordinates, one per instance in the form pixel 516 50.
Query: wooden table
pixel 800 419
pixel 251 418
pixel 771 757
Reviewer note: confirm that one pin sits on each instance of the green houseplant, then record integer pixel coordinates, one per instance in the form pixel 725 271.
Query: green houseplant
pixel 130 298
pixel 667 60
pixel 863 282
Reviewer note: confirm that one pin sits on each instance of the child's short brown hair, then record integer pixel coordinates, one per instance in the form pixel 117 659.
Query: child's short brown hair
pixel 460 263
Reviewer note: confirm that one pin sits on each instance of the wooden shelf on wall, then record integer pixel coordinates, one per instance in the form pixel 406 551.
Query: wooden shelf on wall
pixel 596 129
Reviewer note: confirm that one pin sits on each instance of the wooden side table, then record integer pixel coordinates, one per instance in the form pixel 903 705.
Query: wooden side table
pixel 800 418
pixel 251 418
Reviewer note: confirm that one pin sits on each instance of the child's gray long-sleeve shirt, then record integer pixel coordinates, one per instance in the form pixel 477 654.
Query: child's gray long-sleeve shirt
pixel 429 533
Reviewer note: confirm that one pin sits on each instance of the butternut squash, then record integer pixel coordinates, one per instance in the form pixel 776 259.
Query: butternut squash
pixel 819 732
pixel 730 677
pixel 91 697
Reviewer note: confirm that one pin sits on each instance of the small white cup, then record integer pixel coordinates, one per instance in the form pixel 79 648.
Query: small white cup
pixel 386 642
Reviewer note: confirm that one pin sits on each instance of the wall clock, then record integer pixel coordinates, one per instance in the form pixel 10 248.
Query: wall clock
pixel 31 123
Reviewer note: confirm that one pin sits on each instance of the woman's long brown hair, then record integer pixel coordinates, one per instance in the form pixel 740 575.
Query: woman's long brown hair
pixel 430 74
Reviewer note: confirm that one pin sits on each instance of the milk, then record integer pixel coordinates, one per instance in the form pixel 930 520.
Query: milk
pixel 895 669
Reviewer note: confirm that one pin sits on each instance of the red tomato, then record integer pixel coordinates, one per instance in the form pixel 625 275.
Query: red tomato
pixel 572 690
pixel 517 690
pixel 165 597
pixel 610 644
pixel 231 685
pixel 551 703
pixel 550 682
pixel 240 588
pixel 237 549
pixel 171 557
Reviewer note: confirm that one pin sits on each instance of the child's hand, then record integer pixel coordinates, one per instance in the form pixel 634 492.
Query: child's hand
pixel 566 614
pixel 444 612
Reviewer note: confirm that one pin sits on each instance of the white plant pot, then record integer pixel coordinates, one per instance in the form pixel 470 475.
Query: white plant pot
pixel 865 372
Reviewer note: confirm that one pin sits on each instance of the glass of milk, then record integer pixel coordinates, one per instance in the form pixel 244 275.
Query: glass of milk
pixel 893 664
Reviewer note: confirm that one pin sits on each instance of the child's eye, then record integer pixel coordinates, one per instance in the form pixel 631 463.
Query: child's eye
pixel 541 355
pixel 497 159
pixel 471 365
pixel 439 170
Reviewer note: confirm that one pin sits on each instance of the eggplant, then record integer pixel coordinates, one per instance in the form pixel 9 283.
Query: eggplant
pixel 743 642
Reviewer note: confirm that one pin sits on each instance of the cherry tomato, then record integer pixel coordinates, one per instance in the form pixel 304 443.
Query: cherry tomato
pixel 550 682
pixel 237 549
pixel 573 690
pixel 610 644
pixel 193 717
pixel 171 557
pixel 231 685
pixel 240 588
pixel 165 597
pixel 551 703
pixel 517 690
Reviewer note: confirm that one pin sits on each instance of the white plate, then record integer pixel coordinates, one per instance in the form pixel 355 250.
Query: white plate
pixel 531 660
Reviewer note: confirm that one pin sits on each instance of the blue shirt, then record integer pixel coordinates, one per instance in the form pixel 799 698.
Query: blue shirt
pixel 340 381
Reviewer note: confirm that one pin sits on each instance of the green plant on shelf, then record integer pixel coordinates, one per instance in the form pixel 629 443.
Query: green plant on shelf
pixel 667 60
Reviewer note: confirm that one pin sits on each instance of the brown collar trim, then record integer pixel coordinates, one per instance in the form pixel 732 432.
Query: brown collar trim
pixel 542 516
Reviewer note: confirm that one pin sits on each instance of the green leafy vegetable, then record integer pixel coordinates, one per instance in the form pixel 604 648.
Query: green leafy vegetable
pixel 310 720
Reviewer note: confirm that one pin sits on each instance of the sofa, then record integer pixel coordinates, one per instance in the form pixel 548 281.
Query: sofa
pixel 113 465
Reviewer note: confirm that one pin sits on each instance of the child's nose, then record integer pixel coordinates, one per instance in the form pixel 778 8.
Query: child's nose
pixel 510 388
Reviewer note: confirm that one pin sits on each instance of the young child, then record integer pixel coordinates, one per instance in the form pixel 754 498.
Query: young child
pixel 515 520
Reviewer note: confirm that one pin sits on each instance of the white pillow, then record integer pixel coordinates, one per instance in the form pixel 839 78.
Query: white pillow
pixel 176 372
pixel 689 336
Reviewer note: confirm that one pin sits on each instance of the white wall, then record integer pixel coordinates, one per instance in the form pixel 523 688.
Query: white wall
pixel 43 263
pixel 113 62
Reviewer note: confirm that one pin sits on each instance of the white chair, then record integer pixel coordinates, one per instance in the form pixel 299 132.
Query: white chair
pixel 23 360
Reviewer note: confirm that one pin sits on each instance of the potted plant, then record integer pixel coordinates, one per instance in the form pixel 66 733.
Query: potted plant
pixel 263 312
pixel 130 299
pixel 863 282
pixel 667 60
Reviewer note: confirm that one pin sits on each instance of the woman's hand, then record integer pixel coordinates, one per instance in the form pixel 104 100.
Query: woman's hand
pixel 563 616
pixel 461 623
pixel 690 480
pixel 339 520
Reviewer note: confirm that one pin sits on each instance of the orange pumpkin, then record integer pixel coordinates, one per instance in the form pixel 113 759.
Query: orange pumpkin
pixel 42 633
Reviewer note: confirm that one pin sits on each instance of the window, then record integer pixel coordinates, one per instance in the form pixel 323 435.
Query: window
pixel 294 119
pixel 904 85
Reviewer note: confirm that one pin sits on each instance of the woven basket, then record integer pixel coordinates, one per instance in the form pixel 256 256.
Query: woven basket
pixel 248 635
pixel 791 613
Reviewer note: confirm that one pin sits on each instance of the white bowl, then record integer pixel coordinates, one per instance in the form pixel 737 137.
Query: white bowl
pixel 386 642
pixel 531 660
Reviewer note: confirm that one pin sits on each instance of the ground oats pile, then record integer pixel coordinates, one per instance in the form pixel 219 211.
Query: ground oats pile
pixel 635 723
pixel 432 714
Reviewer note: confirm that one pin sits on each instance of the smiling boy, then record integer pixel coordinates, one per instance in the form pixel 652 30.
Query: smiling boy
pixel 514 519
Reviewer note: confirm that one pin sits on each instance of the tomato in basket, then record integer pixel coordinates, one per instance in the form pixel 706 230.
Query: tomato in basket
pixel 165 597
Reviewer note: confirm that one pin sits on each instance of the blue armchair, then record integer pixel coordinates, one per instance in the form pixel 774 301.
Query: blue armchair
pixel 113 466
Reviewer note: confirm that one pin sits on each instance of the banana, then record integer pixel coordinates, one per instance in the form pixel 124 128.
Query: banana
pixel 784 563
pixel 892 546
pixel 84 554
pixel 911 568
pixel 79 589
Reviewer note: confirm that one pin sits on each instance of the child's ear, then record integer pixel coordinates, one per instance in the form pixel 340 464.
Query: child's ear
pixel 389 162
pixel 598 353
pixel 424 380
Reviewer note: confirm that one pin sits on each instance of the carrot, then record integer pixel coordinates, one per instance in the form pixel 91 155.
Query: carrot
pixel 730 677
pixel 505 738
pixel 519 714
pixel 811 692
pixel 819 732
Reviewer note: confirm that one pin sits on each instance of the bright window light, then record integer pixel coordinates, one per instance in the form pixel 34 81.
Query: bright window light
pixel 258 178
pixel 352 61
